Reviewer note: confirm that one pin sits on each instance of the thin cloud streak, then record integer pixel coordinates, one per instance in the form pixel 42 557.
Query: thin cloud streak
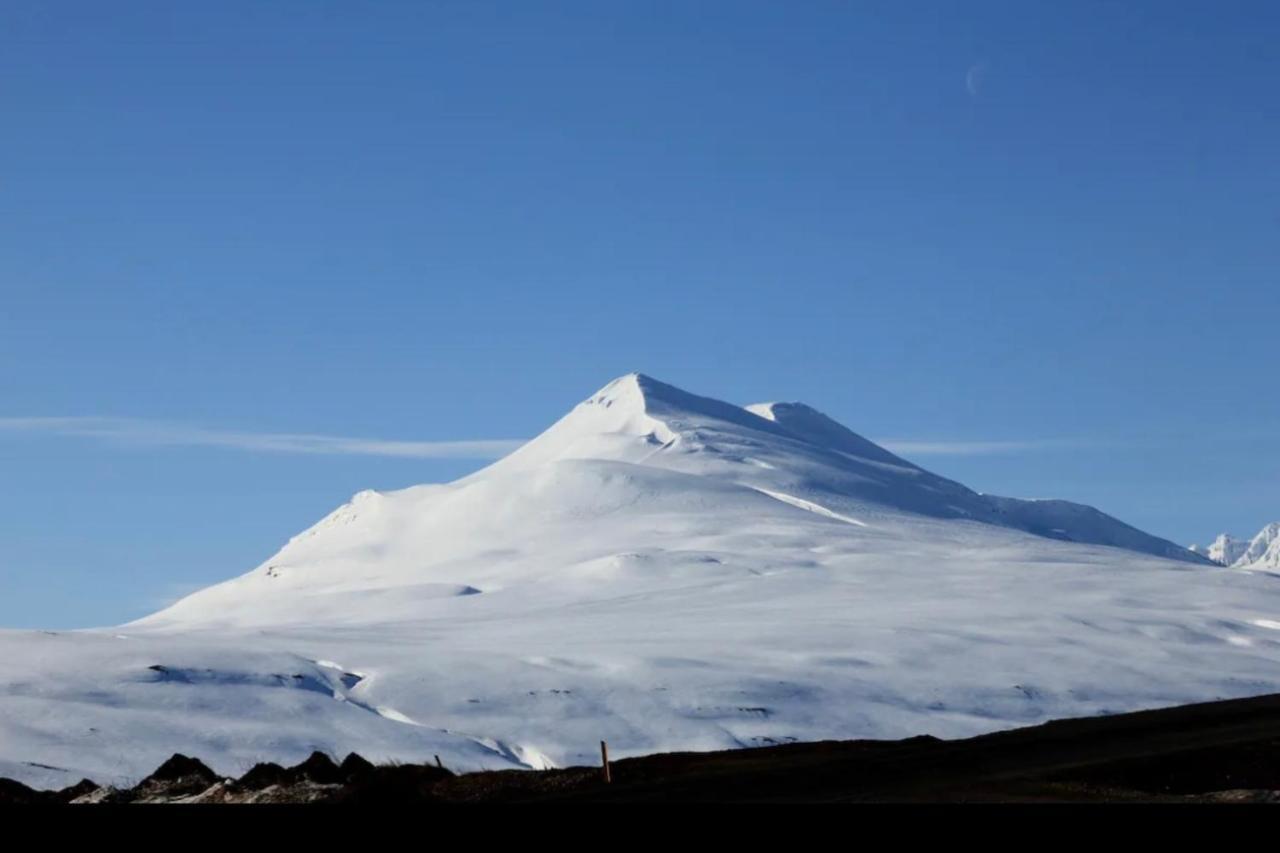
pixel 135 431
pixel 910 447
pixel 140 432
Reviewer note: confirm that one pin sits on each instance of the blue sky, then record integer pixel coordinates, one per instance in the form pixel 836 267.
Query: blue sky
pixel 229 228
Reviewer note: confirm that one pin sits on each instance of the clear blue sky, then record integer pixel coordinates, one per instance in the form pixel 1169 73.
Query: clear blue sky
pixel 1051 226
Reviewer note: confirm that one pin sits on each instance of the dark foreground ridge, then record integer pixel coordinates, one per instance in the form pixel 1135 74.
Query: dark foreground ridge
pixel 1227 751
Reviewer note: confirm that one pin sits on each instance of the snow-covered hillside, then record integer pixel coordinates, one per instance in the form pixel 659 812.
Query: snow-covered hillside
pixel 1261 552
pixel 662 571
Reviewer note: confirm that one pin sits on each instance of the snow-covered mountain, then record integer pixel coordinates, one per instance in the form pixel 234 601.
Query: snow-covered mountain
pixel 636 448
pixel 662 571
pixel 1264 549
pixel 1260 552
pixel 1224 550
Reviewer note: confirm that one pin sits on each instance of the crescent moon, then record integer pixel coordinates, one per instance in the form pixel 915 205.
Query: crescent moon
pixel 974 76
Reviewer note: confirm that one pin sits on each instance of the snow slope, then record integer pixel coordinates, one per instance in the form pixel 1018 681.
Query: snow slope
pixel 662 571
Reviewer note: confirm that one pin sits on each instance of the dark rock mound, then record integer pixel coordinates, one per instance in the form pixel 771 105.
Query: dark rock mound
pixel 401 785
pixel 79 789
pixel 17 794
pixel 318 768
pixel 354 767
pixel 180 767
pixel 180 776
pixel 264 775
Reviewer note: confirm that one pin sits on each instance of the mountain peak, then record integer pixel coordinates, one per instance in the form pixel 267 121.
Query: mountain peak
pixel 640 394
pixel 1262 551
pixel 631 389
pixel 787 449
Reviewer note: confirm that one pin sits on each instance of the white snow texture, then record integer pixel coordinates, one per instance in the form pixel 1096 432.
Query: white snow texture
pixel 1262 552
pixel 658 570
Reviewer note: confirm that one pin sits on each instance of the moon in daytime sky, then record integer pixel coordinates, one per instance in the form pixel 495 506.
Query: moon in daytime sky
pixel 974 77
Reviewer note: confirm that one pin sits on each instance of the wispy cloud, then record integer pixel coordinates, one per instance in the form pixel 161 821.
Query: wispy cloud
pixel 912 447
pixel 141 432
pixel 135 431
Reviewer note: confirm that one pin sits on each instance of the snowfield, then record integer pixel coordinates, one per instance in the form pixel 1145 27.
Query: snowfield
pixel 661 571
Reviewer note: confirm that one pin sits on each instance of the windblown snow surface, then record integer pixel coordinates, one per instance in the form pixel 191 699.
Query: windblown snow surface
pixel 661 571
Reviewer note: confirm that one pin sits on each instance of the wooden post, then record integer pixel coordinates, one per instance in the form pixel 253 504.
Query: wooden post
pixel 438 764
pixel 604 761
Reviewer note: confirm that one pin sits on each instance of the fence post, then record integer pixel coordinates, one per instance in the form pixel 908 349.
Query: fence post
pixel 604 761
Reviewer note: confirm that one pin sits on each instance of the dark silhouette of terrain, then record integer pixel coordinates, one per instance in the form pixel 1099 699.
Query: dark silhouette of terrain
pixel 1226 751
